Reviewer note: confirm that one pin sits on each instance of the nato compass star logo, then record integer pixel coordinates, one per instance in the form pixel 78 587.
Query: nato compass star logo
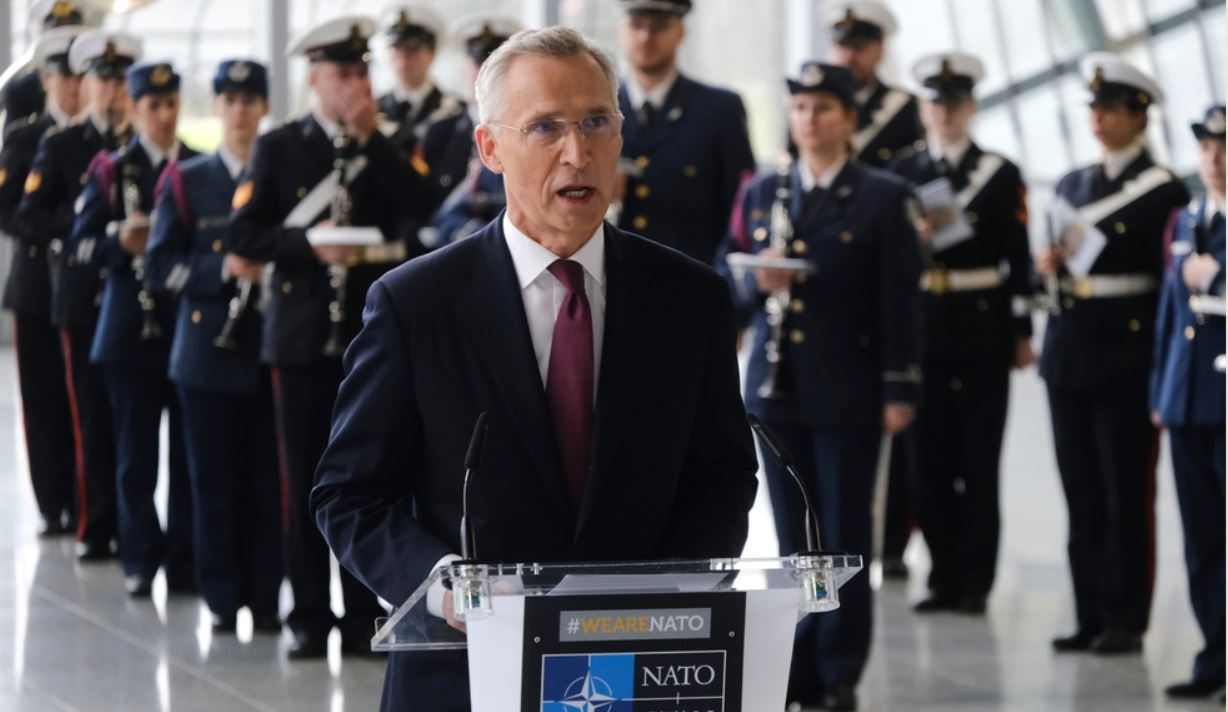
pixel 589 694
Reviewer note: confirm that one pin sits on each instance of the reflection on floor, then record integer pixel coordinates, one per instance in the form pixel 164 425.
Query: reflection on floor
pixel 76 642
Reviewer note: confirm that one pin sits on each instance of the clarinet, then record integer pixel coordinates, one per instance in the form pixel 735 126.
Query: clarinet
pixel 226 338
pixel 151 330
pixel 777 303
pixel 1053 291
pixel 338 275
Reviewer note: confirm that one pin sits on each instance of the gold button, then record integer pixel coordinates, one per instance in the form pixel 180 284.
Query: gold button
pixel 971 218
pixel 217 245
pixel 85 178
pixel 445 180
pixel 799 246
pixel 1119 228
pixel 641 162
pixel 757 214
pixel 285 288
pixel 33 251
pixel 798 306
pixel 846 237
pixel 1136 325
pixel 642 191
pixel 1189 333
pixel 796 336
pixel 196 317
pixel 884 153
pixel 761 234
pixel 301 192
pixel 801 278
pixel 640 222
pixel 689 171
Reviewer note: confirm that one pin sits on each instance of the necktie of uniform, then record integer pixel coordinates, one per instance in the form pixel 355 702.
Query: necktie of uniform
pixel 648 115
pixel 570 378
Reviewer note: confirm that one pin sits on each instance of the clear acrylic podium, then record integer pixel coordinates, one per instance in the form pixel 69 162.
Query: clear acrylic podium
pixel 699 635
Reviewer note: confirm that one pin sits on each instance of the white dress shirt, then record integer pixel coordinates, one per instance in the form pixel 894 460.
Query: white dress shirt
pixel 1116 162
pixel 637 95
pixel 824 180
pixel 953 153
pixel 157 155
pixel 543 296
pixel 233 165
pixel 415 97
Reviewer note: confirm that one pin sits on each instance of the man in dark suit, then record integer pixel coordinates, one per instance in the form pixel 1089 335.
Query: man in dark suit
pixel 605 363
pixel 45 405
pixel 685 145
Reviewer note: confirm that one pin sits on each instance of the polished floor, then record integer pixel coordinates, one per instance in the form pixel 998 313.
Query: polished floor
pixel 71 640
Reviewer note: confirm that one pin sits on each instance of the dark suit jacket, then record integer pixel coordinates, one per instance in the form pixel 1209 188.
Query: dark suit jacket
pixel 445 338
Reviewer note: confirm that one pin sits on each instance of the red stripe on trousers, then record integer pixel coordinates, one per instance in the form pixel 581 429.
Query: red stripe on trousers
pixel 77 439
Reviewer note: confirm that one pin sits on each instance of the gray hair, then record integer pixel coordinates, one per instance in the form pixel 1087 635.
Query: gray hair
pixel 548 42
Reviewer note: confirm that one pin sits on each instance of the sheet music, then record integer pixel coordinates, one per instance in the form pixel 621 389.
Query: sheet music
pixel 1082 241
pixel 951 226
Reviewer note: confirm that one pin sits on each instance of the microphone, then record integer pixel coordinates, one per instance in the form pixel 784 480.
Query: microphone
pixel 782 458
pixel 472 457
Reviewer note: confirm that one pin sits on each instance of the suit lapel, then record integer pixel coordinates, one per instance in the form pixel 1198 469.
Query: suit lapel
pixel 500 333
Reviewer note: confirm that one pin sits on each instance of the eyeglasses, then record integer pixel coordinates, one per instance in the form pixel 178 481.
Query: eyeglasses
pixel 547 132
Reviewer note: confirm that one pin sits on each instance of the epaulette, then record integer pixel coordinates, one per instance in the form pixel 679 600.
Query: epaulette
pixel 449 106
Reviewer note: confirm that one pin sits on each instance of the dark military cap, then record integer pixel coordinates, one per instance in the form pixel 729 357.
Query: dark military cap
pixel 948 76
pixel 414 26
pixel 659 7
pixel 1212 124
pixel 1113 80
pixel 151 78
pixel 481 35
pixel 829 78
pixel 342 40
pixel 241 75
pixel 106 53
pixel 859 22
pixel 57 13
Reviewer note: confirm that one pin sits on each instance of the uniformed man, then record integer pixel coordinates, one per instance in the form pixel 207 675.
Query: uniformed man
pixel 1187 397
pixel 25 95
pixel 291 187
pixel 849 345
pixel 134 332
pixel 225 392
pixel 978 287
pixel 685 146
pixel 413 33
pixel 27 292
pixel 471 195
pixel 887 117
pixel 44 220
pixel 1106 259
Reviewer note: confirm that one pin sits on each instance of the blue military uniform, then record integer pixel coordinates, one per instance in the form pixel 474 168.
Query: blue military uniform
pixel 288 163
pixel 1096 364
pixel 852 343
pixel 224 390
pixel 978 292
pixel 134 361
pixel 1187 392
pixel 411 28
pixel 40 358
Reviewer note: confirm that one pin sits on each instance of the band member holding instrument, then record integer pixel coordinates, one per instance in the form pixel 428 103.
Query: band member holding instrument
pixel 291 186
pixel 225 391
pixel 849 367
pixel 978 326
pixel 44 219
pixel 132 341
pixel 1109 218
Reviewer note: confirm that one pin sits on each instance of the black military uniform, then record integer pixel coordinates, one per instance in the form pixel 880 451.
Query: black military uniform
pixel 44 220
pixel 24 97
pixel 850 344
pixel 978 286
pixel 406 119
pixel 132 344
pixel 1096 361
pixel 685 155
pixel 273 208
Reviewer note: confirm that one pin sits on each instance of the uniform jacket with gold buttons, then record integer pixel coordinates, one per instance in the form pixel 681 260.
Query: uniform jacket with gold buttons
pixel 984 323
pixel 853 331
pixel 27 290
pixel 1186 389
pixel 902 130
pixel 1105 344
pixel 190 239
pixel 690 163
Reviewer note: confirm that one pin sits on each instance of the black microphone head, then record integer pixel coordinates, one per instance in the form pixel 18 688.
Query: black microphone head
pixel 769 440
pixel 476 441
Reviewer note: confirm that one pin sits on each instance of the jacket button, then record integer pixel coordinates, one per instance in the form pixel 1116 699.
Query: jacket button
pixel 33 251
pixel 1136 325
pixel 641 162
pixel 285 287
pixel 798 306
pixel 796 336
pixel 445 180
pixel 640 222
pixel 884 153
pixel 799 246
pixel 689 171
pixel 196 317
pixel 217 245
pixel 1189 333
pixel 971 218
pixel 761 234
pixel 846 237
pixel 85 178
pixel 1119 228
pixel 302 191
pixel 642 191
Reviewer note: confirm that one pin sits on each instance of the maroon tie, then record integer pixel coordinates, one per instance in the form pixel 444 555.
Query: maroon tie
pixel 569 380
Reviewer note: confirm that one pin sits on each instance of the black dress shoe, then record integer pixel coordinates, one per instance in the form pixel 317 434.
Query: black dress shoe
pixel 1080 642
pixel 181 583
pixel 840 697
pixel 223 622
pixel 52 527
pixel 895 569
pixel 972 605
pixel 307 646
pixel 1117 642
pixel 1193 690
pixel 936 602
pixel 266 623
pixel 138 585
pixel 91 551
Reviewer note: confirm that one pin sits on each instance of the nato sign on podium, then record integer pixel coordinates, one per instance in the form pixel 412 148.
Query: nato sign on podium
pixel 655 636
